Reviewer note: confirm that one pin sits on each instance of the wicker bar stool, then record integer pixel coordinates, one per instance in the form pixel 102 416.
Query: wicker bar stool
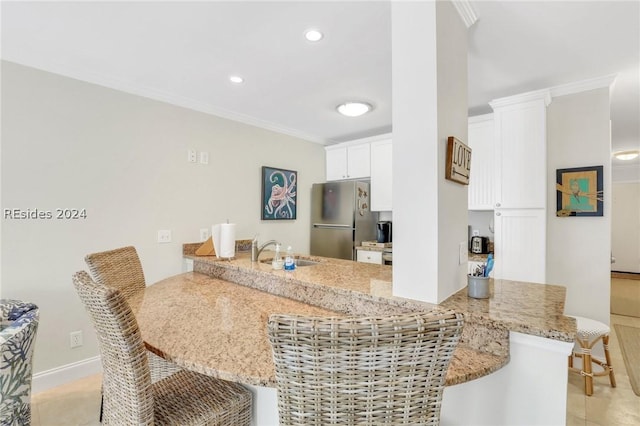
pixel 589 333
pixel 130 398
pixel 366 371
pixel 121 269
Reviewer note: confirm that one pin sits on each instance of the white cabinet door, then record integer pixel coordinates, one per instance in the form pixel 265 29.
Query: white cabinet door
pixel 368 256
pixel 482 181
pixel 336 163
pixel 521 155
pixel 381 176
pixel 520 245
pixel 358 161
pixel 348 161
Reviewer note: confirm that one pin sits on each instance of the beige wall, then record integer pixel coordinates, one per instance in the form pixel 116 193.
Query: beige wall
pixel 625 227
pixel 579 248
pixel 70 144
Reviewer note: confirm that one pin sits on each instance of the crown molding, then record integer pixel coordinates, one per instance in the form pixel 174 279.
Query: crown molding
pixel 536 95
pixel 466 12
pixel 583 85
pixel 606 81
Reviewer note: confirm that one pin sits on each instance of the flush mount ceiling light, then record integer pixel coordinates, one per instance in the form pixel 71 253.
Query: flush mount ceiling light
pixel 626 155
pixel 313 35
pixel 236 79
pixel 354 109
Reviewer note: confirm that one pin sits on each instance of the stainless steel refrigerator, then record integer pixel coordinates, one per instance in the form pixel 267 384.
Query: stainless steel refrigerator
pixel 341 218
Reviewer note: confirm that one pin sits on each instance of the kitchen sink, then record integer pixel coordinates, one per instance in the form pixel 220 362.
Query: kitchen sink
pixel 305 262
pixel 299 261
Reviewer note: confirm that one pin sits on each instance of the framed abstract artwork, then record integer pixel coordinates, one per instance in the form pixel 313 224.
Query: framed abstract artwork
pixel 279 194
pixel 579 191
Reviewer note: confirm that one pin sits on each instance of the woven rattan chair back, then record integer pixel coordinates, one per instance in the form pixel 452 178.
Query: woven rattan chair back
pixel 119 268
pixel 126 381
pixel 184 398
pixel 372 370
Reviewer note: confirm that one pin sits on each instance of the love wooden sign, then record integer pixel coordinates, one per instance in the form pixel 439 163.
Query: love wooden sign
pixel 458 161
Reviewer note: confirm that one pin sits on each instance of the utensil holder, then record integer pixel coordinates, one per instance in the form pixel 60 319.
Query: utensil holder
pixel 478 287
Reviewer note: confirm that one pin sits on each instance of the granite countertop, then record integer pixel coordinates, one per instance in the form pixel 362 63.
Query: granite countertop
pixel 337 276
pixel 343 287
pixel 227 339
pixel 218 328
pixel 528 308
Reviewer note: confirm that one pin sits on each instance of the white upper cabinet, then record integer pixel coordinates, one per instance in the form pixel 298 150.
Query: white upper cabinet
pixel 348 161
pixel 381 175
pixel 482 181
pixel 336 163
pixel 521 153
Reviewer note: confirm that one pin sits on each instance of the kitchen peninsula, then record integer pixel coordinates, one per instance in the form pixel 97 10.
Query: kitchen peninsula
pixel 481 375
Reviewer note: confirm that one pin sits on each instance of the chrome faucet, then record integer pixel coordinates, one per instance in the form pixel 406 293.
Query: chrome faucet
pixel 255 250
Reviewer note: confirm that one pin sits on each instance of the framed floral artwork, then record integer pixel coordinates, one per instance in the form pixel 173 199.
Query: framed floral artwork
pixel 579 191
pixel 279 194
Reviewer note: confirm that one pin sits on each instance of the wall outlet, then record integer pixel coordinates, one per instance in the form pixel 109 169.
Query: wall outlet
pixel 191 156
pixel 463 254
pixel 164 236
pixel 476 232
pixel 204 234
pixel 75 339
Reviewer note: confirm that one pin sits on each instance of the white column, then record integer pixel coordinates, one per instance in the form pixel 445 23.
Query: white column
pixel 429 44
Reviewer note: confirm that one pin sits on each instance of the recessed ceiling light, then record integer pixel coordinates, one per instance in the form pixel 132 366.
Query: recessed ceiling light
pixel 627 155
pixel 313 35
pixel 354 109
pixel 236 79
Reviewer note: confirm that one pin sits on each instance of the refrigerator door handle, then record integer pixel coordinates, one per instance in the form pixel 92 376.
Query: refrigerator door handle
pixel 329 225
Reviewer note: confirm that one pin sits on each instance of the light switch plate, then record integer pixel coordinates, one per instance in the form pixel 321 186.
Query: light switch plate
pixel 164 236
pixel 463 255
pixel 204 157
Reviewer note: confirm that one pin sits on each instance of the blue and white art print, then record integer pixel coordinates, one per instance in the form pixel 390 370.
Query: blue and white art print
pixel 279 193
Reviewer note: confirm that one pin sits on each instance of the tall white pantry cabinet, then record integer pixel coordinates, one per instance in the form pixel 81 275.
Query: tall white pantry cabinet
pixel 517 143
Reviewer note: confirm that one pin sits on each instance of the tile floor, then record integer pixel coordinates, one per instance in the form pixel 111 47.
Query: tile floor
pixel 78 403
pixel 607 406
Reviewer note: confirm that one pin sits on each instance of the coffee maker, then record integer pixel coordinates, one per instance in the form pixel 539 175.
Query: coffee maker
pixel 383 232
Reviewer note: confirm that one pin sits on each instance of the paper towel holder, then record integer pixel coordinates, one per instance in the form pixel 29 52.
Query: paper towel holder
pixel 223 236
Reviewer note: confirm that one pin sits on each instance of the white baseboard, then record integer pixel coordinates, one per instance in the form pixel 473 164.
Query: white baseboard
pixel 48 379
